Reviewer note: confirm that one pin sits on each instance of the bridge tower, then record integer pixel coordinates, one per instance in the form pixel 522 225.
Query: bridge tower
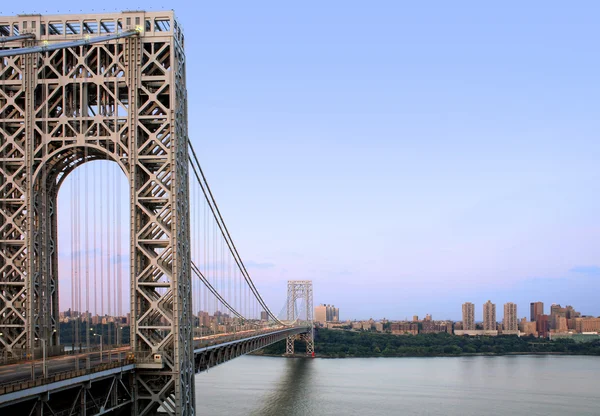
pixel 70 99
pixel 300 290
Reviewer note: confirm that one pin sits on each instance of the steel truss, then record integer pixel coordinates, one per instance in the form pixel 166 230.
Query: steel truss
pixel 123 100
pixel 205 358
pixel 300 290
pixel 110 394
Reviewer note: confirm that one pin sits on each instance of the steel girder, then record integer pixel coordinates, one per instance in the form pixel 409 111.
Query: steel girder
pixel 124 100
pixel 206 358
pixel 111 394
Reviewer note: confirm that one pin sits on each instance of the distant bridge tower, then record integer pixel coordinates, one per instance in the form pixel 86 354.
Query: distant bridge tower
pixel 300 290
pixel 89 87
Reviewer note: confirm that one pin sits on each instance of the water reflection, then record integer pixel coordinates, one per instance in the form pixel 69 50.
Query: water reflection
pixel 291 396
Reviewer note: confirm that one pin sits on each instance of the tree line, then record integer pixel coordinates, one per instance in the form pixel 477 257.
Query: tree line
pixel 341 344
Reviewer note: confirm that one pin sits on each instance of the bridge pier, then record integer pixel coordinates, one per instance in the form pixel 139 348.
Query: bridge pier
pixel 306 337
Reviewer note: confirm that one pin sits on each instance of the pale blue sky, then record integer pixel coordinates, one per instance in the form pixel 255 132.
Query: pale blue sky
pixel 405 157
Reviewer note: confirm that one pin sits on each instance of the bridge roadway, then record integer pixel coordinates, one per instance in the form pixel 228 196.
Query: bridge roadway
pixel 68 374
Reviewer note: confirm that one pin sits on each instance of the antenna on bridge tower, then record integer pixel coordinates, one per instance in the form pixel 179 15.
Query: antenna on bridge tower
pixel 303 290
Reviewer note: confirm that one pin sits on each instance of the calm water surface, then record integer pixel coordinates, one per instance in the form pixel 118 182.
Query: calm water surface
pixel 461 386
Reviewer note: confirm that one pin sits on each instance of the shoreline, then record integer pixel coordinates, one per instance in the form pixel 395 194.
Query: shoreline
pixel 476 354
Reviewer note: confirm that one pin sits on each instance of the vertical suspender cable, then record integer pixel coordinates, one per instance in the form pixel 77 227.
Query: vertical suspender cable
pixel 73 266
pixel 205 238
pixel 94 231
pixel 78 254
pixel 87 256
pixel 116 253
pixel 102 187
pixel 108 255
pixel 119 261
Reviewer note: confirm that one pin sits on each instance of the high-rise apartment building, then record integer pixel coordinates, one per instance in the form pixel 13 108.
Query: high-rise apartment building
pixel 335 314
pixel 468 314
pixel 326 313
pixel 320 314
pixel 510 323
pixel 489 316
pixel 537 308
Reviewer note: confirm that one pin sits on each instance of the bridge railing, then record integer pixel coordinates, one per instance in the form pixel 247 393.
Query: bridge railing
pixel 63 375
pixel 27 357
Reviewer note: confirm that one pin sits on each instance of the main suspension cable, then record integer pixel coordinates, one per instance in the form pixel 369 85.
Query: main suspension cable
pixel 224 231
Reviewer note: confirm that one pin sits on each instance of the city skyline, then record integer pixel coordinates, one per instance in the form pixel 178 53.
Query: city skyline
pixel 442 182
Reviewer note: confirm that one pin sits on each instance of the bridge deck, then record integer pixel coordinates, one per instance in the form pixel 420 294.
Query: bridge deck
pixel 73 371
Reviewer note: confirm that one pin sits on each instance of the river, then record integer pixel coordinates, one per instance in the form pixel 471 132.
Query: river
pixel 450 386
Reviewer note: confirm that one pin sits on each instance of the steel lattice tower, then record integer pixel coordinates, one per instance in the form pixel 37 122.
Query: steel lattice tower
pixel 123 100
pixel 300 290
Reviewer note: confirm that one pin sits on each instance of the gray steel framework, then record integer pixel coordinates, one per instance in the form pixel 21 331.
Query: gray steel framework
pixel 104 392
pixel 208 357
pixel 110 390
pixel 122 100
pixel 300 290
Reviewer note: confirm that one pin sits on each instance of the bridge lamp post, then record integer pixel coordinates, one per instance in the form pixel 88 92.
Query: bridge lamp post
pixel 98 335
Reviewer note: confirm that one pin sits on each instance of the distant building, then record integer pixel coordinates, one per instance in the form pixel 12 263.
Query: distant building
pixel 558 324
pixel 320 314
pixel 335 314
pixel 536 308
pixel 415 318
pixel 468 315
pixel 204 319
pixel 587 324
pixel 475 332
pixel 489 316
pixel 326 313
pixel 404 328
pixel 427 318
pixel 379 327
pixel 434 327
pixel 571 313
pixel 264 316
pixel 557 311
pixel 527 328
pixel 510 323
pixel 542 326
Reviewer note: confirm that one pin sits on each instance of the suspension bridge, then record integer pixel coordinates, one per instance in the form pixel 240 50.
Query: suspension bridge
pixel 110 89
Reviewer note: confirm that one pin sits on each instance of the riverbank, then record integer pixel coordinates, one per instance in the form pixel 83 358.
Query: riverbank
pixel 352 344
pixel 477 354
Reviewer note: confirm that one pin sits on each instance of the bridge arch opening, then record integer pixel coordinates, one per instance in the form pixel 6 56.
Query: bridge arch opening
pixel 93 254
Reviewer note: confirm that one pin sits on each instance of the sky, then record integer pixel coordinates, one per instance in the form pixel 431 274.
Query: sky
pixel 404 157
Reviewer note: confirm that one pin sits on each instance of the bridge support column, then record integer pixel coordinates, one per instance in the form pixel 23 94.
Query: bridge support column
pixel 289 345
pixel 310 342
pixel 130 108
pixel 300 290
